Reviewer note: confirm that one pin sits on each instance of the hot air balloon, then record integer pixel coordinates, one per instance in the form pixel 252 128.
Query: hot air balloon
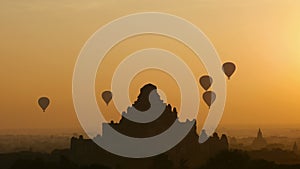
pixel 107 96
pixel 206 81
pixel 209 97
pixel 229 69
pixel 44 103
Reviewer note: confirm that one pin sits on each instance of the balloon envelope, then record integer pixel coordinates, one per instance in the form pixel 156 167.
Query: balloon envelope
pixel 229 69
pixel 209 97
pixel 107 96
pixel 206 81
pixel 44 103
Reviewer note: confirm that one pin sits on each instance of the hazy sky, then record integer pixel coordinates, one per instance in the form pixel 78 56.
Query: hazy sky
pixel 40 42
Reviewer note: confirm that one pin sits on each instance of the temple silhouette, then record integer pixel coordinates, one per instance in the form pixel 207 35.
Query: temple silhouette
pixel 188 152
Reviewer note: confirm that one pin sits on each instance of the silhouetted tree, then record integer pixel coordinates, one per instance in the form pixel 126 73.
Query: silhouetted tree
pixel 183 164
pixel 28 164
pixel 240 160
pixel 161 162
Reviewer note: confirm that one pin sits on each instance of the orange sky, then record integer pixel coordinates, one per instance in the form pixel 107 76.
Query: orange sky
pixel 40 42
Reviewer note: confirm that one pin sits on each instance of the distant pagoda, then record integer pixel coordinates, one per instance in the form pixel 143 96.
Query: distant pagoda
pixel 295 148
pixel 259 142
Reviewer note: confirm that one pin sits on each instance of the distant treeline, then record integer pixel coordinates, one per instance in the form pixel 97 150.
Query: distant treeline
pixel 233 159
